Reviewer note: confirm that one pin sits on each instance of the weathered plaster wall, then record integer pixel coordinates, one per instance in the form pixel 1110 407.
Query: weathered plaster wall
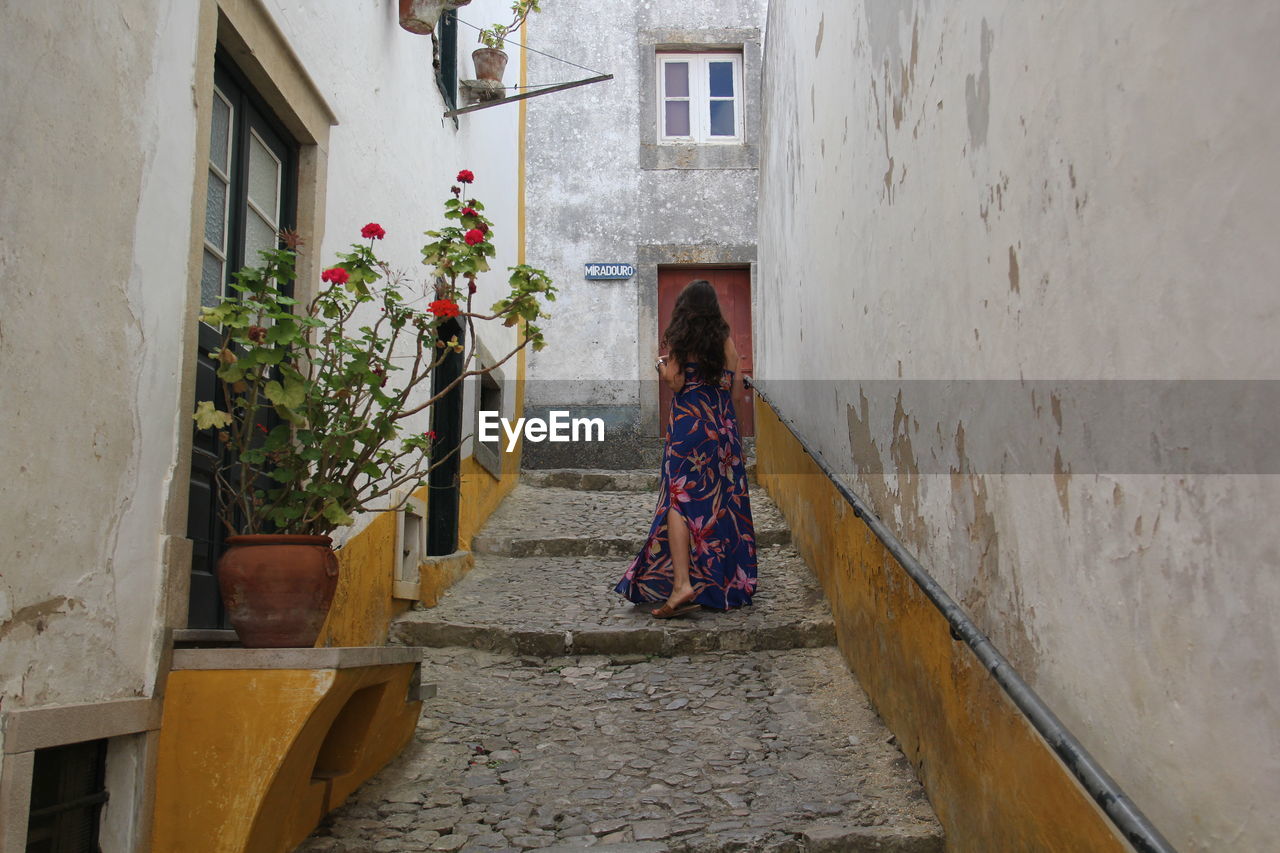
pixel 590 200
pixel 93 236
pixel 1054 191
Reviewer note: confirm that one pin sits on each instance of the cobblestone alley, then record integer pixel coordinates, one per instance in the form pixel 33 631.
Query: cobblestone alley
pixel 567 718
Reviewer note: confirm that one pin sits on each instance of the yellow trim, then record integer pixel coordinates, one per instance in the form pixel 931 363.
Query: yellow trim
pixel 363 604
pixel 520 154
pixel 993 781
pixel 251 760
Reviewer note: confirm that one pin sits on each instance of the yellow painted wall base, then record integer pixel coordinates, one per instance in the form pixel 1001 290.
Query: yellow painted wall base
pixel 251 760
pixel 363 605
pixel 993 781
pixel 437 574
pixel 481 493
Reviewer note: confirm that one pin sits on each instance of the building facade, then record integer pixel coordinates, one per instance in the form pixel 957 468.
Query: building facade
pixel 162 145
pixel 654 170
pixel 1017 290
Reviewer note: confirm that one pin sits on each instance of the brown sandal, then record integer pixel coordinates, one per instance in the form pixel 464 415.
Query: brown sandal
pixel 666 611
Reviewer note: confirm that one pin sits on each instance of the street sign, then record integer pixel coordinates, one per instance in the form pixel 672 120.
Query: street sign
pixel 606 272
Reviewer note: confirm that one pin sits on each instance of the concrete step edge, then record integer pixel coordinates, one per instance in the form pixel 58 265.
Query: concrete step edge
pixel 589 546
pixel 659 641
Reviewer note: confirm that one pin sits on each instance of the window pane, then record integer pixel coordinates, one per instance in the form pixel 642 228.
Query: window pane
pixel 218 133
pixel 258 235
pixel 677 76
pixel 210 279
pixel 264 181
pixel 215 212
pixel 722 118
pixel 721 79
pixel 677 118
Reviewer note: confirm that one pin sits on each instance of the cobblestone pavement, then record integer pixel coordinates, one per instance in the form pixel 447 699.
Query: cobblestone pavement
pixel 567 718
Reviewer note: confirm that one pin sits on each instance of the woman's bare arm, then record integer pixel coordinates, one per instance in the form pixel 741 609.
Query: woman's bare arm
pixel 671 371
pixel 732 362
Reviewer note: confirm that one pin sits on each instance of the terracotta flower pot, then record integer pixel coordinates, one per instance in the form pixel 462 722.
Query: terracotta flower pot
pixel 277 589
pixel 489 62
pixel 421 16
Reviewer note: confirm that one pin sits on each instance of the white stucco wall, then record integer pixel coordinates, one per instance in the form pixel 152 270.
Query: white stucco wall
pixel 1037 193
pixel 393 157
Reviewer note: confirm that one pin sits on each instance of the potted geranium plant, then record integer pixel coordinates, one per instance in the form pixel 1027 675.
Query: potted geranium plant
pixel 315 401
pixel 491 60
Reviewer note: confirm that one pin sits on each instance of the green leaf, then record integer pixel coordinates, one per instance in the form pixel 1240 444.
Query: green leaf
pixel 289 396
pixel 208 417
pixel 336 514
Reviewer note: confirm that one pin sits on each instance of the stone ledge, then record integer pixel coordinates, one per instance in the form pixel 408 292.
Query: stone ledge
pixel 333 658
pixel 27 729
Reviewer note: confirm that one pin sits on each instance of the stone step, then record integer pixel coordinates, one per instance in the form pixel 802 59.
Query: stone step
pixel 533 545
pixel 551 606
pixel 552 521
pixel 732 751
pixel 591 479
pixel 601 480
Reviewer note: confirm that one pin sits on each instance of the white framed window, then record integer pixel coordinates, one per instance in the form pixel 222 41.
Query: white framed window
pixel 699 97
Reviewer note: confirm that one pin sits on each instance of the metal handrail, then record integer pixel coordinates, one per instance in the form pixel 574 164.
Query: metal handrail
pixel 1127 818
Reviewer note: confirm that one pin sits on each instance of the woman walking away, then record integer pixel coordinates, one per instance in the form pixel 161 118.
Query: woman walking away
pixel 701 549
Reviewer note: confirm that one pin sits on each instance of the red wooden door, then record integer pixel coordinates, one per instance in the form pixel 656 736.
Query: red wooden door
pixel 733 288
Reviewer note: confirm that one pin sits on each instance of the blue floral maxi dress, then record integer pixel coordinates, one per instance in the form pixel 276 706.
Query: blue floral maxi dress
pixel 704 478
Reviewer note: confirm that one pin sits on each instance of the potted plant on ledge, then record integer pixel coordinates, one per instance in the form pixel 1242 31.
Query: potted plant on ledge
pixel 315 405
pixel 491 60
pixel 421 16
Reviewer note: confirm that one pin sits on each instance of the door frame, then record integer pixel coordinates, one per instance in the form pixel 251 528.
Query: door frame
pixel 648 259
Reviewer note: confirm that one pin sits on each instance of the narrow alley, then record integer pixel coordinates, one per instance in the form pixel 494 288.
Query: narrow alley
pixel 360 350
pixel 567 718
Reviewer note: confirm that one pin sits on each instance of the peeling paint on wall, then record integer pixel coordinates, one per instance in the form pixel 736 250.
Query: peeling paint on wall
pixel 977 93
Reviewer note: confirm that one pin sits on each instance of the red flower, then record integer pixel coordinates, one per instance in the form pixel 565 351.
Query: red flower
pixel 698 533
pixel 337 275
pixel 257 334
pixel 444 308
pixel 456 190
pixel 373 231
pixel 469 211
pixel 475 235
pixel 429 435
pixel 465 177
pixel 680 490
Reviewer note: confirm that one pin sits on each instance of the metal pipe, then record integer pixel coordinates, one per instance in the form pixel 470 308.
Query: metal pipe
pixel 1127 818
pixel 558 87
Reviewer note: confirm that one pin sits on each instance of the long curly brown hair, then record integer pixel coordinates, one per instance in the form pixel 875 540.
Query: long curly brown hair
pixel 698 330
